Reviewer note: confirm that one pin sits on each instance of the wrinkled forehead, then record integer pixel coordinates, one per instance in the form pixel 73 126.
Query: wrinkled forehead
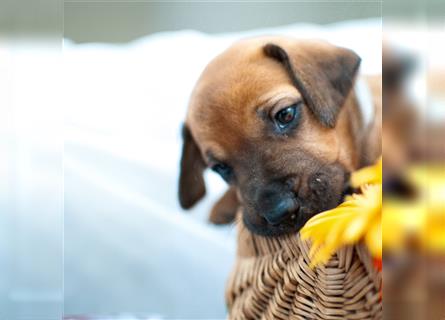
pixel 224 103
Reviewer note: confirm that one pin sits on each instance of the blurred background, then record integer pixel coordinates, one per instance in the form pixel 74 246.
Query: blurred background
pixel 123 21
pixel 89 222
pixel 414 164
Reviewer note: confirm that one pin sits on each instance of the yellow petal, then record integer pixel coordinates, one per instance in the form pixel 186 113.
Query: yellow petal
pixel 356 229
pixel 373 239
pixel 367 175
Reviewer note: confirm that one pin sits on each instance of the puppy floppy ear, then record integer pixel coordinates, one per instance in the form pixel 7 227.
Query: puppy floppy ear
pixel 191 180
pixel 224 211
pixel 324 74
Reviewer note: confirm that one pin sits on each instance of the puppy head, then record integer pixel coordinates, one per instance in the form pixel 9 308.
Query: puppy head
pixel 268 116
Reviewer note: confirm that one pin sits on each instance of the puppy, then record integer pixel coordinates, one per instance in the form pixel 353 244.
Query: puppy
pixel 279 121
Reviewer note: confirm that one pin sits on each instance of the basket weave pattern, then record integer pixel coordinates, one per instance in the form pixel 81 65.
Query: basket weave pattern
pixel 272 280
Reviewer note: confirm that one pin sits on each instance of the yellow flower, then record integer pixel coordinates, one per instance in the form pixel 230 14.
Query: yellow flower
pixel 356 219
pixel 367 175
pixel 421 219
pixel 404 219
pixel 418 220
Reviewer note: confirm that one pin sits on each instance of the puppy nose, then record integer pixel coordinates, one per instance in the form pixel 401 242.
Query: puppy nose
pixel 280 209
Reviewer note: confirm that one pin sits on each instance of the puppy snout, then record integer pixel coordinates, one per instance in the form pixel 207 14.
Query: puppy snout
pixel 278 206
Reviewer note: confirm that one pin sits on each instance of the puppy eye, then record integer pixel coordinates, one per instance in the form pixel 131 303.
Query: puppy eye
pixel 286 116
pixel 224 171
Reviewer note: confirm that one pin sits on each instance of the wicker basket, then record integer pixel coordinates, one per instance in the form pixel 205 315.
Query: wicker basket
pixel 272 280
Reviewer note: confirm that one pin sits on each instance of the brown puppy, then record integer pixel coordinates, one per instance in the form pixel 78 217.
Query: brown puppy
pixel 277 118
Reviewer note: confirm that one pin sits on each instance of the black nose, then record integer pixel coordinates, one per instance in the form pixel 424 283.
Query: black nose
pixel 277 206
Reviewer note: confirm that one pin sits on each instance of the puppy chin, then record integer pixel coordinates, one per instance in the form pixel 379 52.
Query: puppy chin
pixel 258 225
